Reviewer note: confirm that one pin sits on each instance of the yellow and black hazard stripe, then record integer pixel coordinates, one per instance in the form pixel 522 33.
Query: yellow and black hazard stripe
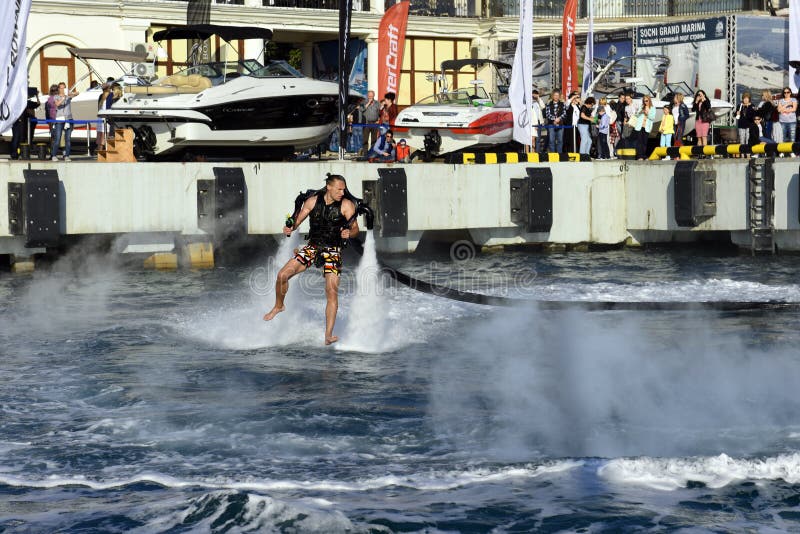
pixel 515 157
pixel 686 152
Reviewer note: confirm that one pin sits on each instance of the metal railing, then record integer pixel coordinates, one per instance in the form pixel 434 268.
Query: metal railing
pixel 441 8
pixel 611 9
pixel 358 5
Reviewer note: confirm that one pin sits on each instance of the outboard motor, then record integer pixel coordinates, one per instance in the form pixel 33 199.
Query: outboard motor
pixel 432 142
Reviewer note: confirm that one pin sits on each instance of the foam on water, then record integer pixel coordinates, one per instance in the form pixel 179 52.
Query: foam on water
pixel 226 511
pixel 714 471
pixel 372 318
pixel 711 290
pixel 427 481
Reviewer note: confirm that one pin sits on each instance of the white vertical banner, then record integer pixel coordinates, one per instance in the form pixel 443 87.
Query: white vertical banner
pixel 13 60
pixel 794 42
pixel 588 57
pixel 519 93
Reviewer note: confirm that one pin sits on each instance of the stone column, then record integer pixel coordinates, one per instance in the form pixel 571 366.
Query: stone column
pixel 308 58
pixel 372 62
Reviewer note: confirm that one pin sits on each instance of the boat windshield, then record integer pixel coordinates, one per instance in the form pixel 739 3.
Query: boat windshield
pixel 679 87
pixel 277 69
pixel 222 71
pixel 460 97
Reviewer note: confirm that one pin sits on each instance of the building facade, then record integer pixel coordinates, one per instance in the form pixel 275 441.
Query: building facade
pixel 437 30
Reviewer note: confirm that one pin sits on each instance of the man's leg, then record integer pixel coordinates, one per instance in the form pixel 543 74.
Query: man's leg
pixel 68 141
pixel 332 295
pixel 291 268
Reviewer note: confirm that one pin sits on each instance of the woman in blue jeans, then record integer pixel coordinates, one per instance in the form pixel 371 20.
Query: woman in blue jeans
pixel 584 122
pixel 787 107
pixel 63 116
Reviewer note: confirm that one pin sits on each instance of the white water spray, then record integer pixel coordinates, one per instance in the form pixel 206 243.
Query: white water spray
pixel 369 327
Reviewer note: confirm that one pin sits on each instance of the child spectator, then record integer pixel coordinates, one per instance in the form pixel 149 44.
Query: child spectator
pixel 403 151
pixel 667 127
pixel 603 125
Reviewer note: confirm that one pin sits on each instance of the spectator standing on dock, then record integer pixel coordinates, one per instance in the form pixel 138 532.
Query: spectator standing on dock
pixel 21 128
pixel 631 110
pixel 536 120
pixel 389 109
pixel 571 121
pixel 644 124
pixel 50 109
pixel 667 127
pixel 608 109
pixel 766 108
pixel 787 108
pixel 356 138
pixel 702 109
pixel 744 119
pixel 64 124
pixel 680 114
pixel 104 101
pixel 585 120
pixel 555 112
pixel 371 114
pixel 603 126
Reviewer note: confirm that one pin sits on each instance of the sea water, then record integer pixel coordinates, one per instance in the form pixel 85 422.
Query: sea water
pixel 135 401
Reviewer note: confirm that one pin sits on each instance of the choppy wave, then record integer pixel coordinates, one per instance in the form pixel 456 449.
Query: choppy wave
pixel 714 472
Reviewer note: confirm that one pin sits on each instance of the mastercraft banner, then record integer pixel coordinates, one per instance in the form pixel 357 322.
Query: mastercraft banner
pixel 391 41
pixel 569 55
pixel 13 61
pixel 519 92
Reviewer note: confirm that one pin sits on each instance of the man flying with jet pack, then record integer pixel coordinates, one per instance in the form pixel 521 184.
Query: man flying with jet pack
pixel 332 213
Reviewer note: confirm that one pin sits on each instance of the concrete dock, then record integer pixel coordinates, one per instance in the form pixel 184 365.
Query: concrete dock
pixel 171 208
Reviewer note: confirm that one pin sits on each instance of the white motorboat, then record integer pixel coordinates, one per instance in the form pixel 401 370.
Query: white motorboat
pixel 237 109
pixel 453 121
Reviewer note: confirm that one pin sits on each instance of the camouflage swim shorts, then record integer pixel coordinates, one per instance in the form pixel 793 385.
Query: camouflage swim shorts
pixel 329 258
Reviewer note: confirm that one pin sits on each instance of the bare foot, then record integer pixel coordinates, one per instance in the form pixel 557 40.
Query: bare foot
pixel 331 339
pixel 275 311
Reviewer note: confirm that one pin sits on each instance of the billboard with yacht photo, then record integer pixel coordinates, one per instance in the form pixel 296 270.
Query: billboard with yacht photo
pixel 762 55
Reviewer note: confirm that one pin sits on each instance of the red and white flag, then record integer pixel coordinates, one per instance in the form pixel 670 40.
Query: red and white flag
pixel 391 40
pixel 569 56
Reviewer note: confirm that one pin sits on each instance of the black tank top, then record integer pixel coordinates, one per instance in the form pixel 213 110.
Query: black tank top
pixel 326 222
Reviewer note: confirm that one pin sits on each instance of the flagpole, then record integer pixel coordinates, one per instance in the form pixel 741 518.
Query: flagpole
pixel 345 16
pixel 588 57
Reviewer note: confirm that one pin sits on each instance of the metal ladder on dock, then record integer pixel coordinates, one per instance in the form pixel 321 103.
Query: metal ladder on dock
pixel 761 187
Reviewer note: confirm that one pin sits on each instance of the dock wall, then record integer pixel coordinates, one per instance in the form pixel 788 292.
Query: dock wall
pixel 601 202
